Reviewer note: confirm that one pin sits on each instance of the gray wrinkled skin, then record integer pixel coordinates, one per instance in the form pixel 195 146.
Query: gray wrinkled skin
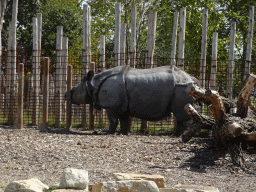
pixel 149 94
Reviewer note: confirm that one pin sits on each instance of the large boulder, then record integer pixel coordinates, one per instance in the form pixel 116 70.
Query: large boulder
pixel 189 188
pixel 126 186
pixel 158 179
pixel 74 178
pixel 31 185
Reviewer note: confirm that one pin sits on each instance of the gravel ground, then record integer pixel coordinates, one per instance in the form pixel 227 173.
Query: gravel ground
pixel 29 153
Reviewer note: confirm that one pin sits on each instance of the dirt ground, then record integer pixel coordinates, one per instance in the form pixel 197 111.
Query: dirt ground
pixel 29 153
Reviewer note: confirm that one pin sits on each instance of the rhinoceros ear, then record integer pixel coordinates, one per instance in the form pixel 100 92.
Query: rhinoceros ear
pixel 90 75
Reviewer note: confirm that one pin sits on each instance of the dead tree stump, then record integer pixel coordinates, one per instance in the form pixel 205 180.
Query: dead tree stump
pixel 229 130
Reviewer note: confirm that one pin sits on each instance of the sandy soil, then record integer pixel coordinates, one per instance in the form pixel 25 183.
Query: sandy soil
pixel 29 153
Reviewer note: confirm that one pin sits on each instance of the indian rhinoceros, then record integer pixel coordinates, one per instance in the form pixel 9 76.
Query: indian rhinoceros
pixel 149 94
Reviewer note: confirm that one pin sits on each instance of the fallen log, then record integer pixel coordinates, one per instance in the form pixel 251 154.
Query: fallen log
pixel 199 122
pixel 229 130
pixel 225 127
pixel 199 94
pixel 244 96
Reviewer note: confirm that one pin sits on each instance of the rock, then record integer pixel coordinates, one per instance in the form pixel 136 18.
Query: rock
pixel 171 190
pixel 196 188
pixel 189 188
pixel 69 190
pixel 74 178
pixel 158 179
pixel 126 186
pixel 31 185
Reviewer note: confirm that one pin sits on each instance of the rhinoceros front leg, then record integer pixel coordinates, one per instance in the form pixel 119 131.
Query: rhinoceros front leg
pixel 113 120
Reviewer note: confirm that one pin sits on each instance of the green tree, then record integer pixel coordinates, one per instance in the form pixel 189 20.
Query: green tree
pixel 55 13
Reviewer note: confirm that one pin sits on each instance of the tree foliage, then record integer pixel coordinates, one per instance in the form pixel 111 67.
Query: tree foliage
pixel 55 13
pixel 68 14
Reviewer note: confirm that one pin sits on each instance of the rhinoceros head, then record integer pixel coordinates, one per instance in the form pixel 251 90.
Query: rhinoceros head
pixel 79 94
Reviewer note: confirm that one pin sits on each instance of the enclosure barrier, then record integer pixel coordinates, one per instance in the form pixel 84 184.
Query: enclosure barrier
pixel 45 85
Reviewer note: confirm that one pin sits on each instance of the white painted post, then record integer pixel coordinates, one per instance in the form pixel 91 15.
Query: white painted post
pixel 58 91
pixel 39 25
pixel 151 38
pixel 203 49
pixel 36 73
pixel 85 38
pixel 249 43
pixel 213 84
pixel 182 38
pixel 174 38
pixel 13 62
pixel 64 75
pixel 133 37
pixel 231 60
pixel 102 52
pixel 117 33
pixel 122 44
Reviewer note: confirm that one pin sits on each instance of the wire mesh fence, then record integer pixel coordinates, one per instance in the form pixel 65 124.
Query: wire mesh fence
pixel 34 79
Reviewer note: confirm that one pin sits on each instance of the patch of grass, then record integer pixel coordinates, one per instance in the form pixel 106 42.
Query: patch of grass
pixel 202 133
pixel 2 186
pixel 52 188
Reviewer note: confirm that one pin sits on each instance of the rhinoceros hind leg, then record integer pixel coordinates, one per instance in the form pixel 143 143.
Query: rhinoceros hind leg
pixel 113 120
pixel 125 123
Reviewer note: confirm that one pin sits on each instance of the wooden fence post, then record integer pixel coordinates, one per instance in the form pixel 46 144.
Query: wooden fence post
pixel 13 62
pixel 213 84
pixel 69 104
pixel 86 51
pixel 102 113
pixel 151 38
pixel 182 38
pixel 64 75
pixel 91 115
pixel 2 11
pixel 58 80
pixel 8 72
pixel 117 33
pixel 86 38
pixel 122 44
pixel 150 49
pixel 133 37
pixel 173 51
pixel 102 52
pixel 39 25
pixel 20 97
pixel 203 48
pixel 46 93
pixel 249 44
pixel 36 73
pixel 174 38
pixel 231 60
